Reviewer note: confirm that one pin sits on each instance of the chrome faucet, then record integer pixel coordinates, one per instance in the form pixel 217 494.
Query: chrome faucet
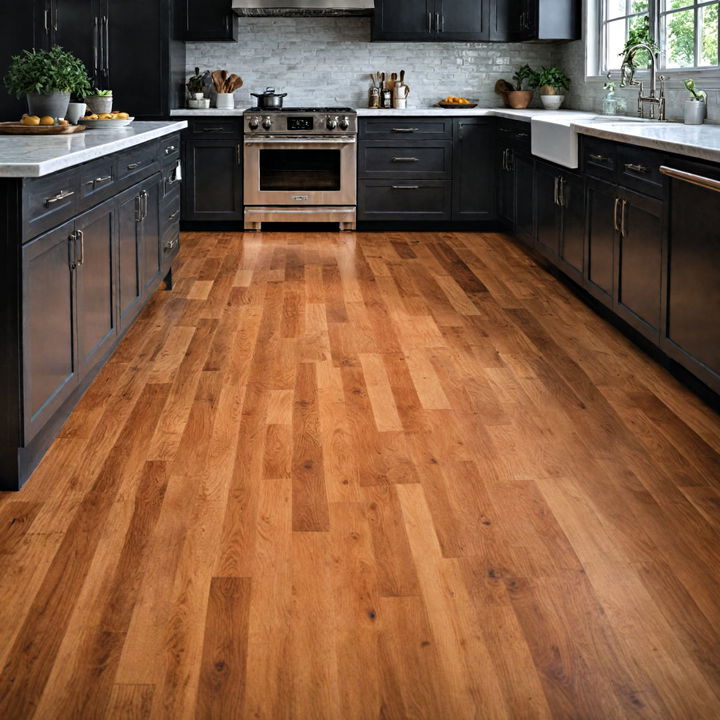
pixel 627 77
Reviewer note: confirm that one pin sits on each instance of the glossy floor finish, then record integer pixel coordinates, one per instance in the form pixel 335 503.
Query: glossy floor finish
pixel 368 476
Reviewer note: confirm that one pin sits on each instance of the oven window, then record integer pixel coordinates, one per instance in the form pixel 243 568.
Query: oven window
pixel 300 169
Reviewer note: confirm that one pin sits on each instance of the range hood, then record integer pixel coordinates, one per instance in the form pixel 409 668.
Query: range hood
pixel 302 8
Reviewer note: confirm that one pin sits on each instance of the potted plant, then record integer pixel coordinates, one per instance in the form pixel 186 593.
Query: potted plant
pixel 551 83
pixel 47 78
pixel 519 97
pixel 695 105
pixel 100 101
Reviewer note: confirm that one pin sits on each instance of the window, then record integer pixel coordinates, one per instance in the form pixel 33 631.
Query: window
pixel 685 30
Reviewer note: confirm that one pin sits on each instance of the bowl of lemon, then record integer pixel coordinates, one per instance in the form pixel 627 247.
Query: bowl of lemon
pixel 453 101
pixel 106 121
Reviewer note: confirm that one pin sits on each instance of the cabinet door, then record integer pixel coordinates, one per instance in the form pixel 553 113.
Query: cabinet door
pixel 473 169
pixel 693 282
pixel 209 20
pixel 77 26
pixel 50 368
pixel 638 271
pixel 547 211
pixel 524 192
pixel 139 80
pixel 128 240
pixel 96 316
pixel 150 234
pixel 404 20
pixel 505 185
pixel 601 200
pixel 460 20
pixel 572 245
pixel 212 189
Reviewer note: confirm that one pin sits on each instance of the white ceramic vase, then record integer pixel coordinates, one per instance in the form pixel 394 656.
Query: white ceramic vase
pixel 552 102
pixel 225 101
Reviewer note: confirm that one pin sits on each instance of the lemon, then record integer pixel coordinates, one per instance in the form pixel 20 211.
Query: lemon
pixel 104 116
pixel 47 120
pixel 30 120
pixel 122 116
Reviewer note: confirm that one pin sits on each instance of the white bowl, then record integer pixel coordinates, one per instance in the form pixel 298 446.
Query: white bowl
pixel 552 102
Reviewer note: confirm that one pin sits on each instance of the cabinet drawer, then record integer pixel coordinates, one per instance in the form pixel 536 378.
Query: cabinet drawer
pixel 639 169
pixel 171 179
pixel 599 158
pixel 136 162
pixel 216 127
pixel 422 159
pixel 49 201
pixel 97 181
pixel 403 199
pixel 396 128
pixel 170 232
pixel 514 133
pixel 169 148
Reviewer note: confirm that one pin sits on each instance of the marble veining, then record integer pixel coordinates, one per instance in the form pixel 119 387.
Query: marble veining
pixel 37 155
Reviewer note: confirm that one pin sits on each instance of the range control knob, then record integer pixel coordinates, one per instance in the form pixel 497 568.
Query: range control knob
pixel 344 123
pixel 331 123
pixel 254 123
pixel 267 123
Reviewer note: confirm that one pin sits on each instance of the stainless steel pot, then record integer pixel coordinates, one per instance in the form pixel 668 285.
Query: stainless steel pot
pixel 269 100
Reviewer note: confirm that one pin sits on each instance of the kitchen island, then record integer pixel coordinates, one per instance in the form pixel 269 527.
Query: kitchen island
pixel 89 229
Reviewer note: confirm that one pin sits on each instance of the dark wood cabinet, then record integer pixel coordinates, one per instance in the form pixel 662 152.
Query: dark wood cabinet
pixel 214 179
pixel 209 20
pixel 514 171
pixel 531 20
pixel 429 20
pixel 691 330
pixel 49 365
pixel 524 191
pixel 149 230
pixel 473 169
pixel 96 318
pixel 602 206
pixel 560 217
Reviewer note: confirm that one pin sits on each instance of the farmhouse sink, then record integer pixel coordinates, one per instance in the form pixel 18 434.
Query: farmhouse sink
pixel 555 138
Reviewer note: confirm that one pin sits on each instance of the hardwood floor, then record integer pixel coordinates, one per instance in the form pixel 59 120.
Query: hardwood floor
pixel 368 476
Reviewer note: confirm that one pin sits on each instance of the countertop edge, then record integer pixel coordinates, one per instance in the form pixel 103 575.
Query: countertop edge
pixel 47 167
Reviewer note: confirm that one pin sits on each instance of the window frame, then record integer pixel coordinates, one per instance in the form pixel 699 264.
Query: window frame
pixel 656 12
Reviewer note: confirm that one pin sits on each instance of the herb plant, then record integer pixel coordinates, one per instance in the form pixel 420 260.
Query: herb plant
pixel 99 93
pixel 639 32
pixel 44 72
pixel 699 95
pixel 524 74
pixel 552 76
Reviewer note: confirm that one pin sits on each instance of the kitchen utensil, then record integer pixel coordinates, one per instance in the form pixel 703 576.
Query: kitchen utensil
pixel 234 82
pixel 402 76
pixel 374 97
pixel 217 80
pixel 372 77
pixel 269 100
pixel 224 77
pixel 400 93
pixel 16 128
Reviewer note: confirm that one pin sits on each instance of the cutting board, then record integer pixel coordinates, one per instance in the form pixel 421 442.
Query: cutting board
pixel 17 128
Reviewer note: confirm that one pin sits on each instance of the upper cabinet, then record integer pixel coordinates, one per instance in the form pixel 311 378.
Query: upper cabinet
pixel 476 20
pixel 209 20
pixel 428 20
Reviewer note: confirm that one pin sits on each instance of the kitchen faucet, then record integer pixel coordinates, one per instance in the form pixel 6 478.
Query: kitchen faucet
pixel 627 77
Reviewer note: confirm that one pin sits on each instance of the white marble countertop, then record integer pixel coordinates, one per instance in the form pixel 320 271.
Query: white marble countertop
pixel 38 155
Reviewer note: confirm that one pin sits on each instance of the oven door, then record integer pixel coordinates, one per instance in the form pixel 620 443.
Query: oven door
pixel 293 171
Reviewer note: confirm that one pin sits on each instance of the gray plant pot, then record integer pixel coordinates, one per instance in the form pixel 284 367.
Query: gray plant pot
pixel 694 112
pixel 100 103
pixel 54 105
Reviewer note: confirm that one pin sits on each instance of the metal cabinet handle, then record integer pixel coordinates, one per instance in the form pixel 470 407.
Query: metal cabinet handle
pixel 134 165
pixel 615 210
pixel 555 191
pixel 598 158
pixel 405 159
pixel 103 179
pixel 510 160
pixel 238 154
pixel 171 244
pixel 72 255
pixel 405 187
pixel 405 130
pixel 521 134
pixel 138 208
pixel 692 178
pixel 80 235
pixel 96 43
pixel 60 196
pixel 561 192
pixel 622 218
pixel 429 22
pixel 144 198
pixel 635 168
pixel 438 27
pixel 173 216
pixel 213 129
pixel 169 149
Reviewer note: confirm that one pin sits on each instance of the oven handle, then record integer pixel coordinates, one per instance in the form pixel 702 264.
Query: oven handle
pixel 339 140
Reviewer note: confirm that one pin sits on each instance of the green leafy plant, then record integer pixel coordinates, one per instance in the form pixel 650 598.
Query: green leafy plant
pixel 524 75
pixel 699 95
pixel 196 82
pixel 553 77
pixel 99 93
pixel 639 33
pixel 44 72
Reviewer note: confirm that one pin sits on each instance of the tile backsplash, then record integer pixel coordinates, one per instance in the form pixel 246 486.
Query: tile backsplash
pixel 327 61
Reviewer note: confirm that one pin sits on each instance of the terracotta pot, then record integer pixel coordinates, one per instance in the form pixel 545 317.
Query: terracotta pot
pixel 519 99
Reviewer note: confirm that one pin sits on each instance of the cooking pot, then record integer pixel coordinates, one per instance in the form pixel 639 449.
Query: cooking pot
pixel 269 99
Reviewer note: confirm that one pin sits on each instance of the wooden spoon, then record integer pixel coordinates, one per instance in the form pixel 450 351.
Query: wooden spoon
pixel 233 83
pixel 224 75
pixel 217 80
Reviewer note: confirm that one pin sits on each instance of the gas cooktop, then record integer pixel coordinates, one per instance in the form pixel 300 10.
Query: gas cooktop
pixel 345 110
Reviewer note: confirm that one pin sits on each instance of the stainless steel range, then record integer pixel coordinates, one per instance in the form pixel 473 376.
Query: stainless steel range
pixel 300 166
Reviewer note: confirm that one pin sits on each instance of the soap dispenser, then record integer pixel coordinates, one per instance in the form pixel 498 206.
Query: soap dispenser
pixel 610 102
